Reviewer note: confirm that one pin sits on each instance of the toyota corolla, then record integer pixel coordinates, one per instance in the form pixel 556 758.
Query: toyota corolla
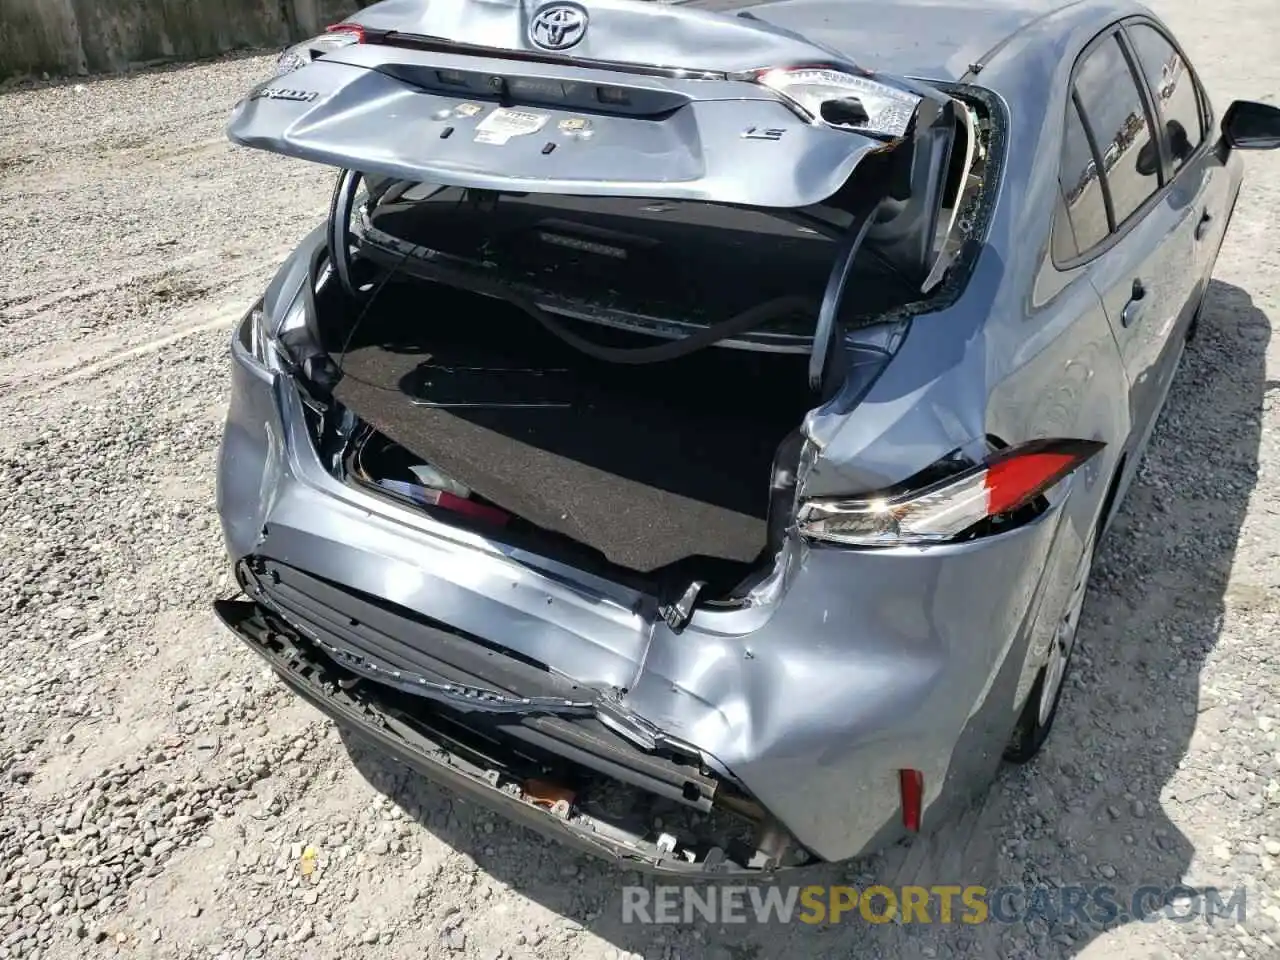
pixel 691 429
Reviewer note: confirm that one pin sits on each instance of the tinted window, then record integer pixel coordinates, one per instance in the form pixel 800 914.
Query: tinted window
pixel 1114 109
pixel 1082 191
pixel 1174 88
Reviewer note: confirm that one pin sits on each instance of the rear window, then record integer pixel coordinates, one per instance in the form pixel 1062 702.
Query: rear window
pixel 681 261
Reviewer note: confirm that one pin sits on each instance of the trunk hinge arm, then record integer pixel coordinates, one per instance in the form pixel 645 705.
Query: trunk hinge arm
pixel 825 330
pixel 341 206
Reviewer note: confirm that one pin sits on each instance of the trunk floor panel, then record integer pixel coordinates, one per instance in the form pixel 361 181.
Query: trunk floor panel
pixel 648 464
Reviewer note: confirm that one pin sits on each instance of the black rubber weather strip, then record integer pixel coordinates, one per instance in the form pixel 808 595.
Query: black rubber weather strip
pixel 833 296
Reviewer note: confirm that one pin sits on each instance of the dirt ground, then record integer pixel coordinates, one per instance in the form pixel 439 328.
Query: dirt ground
pixel 161 796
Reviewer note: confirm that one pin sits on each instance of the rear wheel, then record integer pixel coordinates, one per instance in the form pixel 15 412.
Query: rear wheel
pixel 1041 707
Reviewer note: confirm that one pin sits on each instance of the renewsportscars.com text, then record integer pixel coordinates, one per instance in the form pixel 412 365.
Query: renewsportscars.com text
pixel 940 903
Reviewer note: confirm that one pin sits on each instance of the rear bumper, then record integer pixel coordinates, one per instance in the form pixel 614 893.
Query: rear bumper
pixel 359 710
pixel 844 668
pixel 476 683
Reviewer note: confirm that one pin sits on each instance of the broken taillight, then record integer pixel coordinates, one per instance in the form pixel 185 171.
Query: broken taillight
pixel 944 509
pixel 842 100
pixel 469 508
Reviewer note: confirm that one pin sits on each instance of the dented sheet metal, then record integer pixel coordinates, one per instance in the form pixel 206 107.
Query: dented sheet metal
pixel 644 35
pixel 837 669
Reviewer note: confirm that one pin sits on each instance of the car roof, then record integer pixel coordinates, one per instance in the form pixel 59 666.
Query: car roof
pixel 928 39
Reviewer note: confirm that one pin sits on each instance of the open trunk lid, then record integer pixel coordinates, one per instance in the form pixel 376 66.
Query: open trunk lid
pixel 651 100
pixel 651 182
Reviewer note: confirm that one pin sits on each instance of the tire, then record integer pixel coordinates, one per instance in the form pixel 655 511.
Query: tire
pixel 1041 708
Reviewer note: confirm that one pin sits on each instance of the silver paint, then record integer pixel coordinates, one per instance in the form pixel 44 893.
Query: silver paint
pixel 846 665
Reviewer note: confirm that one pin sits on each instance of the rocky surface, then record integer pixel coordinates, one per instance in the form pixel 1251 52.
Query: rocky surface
pixel 161 796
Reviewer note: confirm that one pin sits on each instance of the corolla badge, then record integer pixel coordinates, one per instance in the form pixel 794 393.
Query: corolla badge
pixel 558 26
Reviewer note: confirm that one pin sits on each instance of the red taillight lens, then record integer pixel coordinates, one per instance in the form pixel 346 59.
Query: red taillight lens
pixel 1017 479
pixel 911 789
pixel 945 509
pixel 469 508
pixel 334 38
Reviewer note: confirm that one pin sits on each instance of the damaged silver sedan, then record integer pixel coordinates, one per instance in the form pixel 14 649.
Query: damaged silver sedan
pixel 691 429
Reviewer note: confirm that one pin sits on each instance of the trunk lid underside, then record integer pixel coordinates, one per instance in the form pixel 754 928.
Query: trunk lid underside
pixel 655 101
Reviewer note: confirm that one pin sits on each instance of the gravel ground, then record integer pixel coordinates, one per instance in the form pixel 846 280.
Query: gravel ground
pixel 160 796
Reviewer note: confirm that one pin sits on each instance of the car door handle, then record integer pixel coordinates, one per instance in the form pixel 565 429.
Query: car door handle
pixel 1202 227
pixel 1137 303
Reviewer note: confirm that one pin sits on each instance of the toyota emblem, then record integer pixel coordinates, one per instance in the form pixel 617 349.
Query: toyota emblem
pixel 558 26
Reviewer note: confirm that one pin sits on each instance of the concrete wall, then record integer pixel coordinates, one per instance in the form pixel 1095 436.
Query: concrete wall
pixel 62 37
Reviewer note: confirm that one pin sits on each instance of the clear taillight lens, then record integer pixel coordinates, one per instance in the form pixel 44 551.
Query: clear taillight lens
pixel 941 511
pixel 257 338
pixel 334 38
pixel 843 100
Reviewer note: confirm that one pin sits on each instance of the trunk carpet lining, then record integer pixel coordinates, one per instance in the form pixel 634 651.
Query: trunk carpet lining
pixel 648 465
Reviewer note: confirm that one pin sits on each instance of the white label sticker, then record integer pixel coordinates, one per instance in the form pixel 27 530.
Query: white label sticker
pixel 503 124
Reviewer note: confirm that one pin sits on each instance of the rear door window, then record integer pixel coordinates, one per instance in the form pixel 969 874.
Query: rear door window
pixel 1175 89
pixel 1114 109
